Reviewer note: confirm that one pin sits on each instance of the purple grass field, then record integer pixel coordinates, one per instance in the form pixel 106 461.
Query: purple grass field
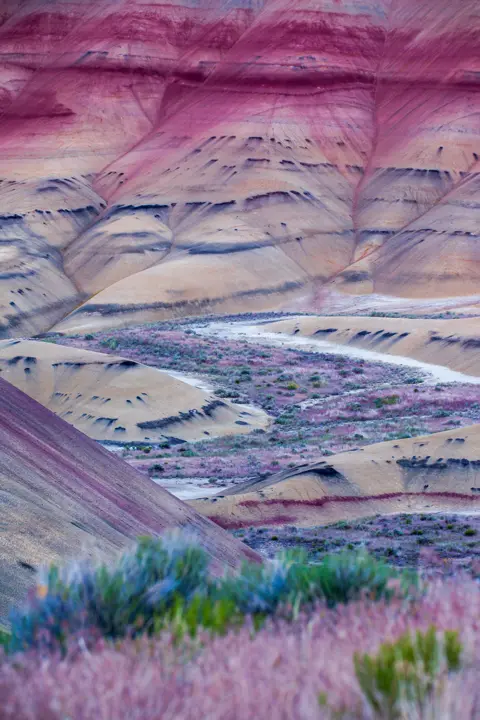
pixel 279 673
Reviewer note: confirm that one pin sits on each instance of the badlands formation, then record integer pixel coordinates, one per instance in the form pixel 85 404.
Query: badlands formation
pixel 440 472
pixel 117 400
pixel 313 160
pixel 452 343
pixel 169 160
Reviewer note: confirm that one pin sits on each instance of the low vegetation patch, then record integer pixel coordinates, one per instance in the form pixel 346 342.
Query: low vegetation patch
pixel 436 542
pixel 166 583
pixel 379 654
pixel 321 404
pixel 405 672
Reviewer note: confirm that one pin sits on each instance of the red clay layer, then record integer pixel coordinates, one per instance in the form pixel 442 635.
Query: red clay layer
pixel 233 524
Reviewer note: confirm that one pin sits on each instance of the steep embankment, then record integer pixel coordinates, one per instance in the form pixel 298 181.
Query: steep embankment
pixel 63 495
pixel 424 474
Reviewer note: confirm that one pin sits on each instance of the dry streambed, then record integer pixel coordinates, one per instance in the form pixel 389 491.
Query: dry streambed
pixel 270 336
pixel 323 399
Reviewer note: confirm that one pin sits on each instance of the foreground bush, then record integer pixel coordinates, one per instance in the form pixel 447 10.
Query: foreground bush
pixel 279 672
pixel 109 601
pixel 166 583
pixel 406 672
pixel 4 638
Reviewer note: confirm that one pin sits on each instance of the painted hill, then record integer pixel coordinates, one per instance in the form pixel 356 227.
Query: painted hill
pixel 113 399
pixel 439 472
pixel 62 495
pixel 452 343
pixel 160 160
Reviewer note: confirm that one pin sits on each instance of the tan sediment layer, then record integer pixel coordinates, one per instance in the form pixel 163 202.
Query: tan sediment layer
pixel 110 398
pixel 425 474
pixel 452 343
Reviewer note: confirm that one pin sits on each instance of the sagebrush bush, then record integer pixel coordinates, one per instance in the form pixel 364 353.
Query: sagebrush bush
pixel 165 582
pixel 4 638
pixel 278 672
pixel 345 576
pixel 111 601
pixel 405 672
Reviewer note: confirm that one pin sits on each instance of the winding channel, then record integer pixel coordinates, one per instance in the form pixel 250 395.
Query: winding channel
pixel 255 334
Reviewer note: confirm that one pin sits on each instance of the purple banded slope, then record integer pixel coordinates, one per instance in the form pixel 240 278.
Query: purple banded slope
pixel 63 495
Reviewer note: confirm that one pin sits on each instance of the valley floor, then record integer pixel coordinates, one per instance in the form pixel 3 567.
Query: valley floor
pixel 321 400
pixel 438 542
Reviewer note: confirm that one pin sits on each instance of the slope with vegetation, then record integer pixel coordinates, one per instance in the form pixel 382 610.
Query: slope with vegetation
pixel 154 635
pixel 62 495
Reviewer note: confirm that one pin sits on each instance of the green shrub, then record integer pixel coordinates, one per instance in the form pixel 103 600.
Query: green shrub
pixel 111 343
pixel 155 468
pixel 404 672
pixel 166 583
pixel 4 638
pixel 111 601
pixel 387 400
pixel 345 576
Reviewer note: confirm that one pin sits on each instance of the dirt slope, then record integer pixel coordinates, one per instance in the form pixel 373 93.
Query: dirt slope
pixel 161 160
pixel 64 496
pixel 452 343
pixel 110 398
pixel 423 474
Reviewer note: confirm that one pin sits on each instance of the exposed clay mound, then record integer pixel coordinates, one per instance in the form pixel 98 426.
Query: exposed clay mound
pixel 110 398
pixel 62 495
pixel 165 160
pixel 424 474
pixel 451 343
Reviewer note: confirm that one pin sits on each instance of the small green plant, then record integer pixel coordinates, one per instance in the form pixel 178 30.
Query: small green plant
pixel 469 532
pixel 4 638
pixel 155 468
pixel 405 671
pixel 387 400
pixel 111 343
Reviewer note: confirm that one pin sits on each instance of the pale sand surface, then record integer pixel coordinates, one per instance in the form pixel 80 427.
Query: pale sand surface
pixel 113 399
